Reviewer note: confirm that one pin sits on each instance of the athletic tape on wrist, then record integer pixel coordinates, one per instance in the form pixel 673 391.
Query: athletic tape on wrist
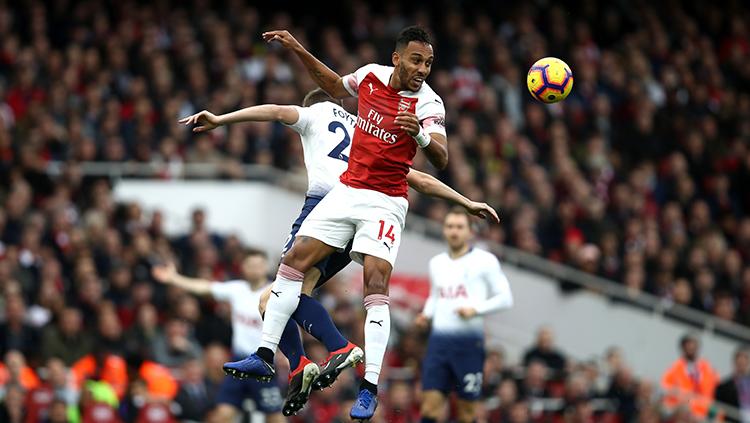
pixel 423 138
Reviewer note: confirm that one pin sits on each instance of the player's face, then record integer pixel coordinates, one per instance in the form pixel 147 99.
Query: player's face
pixel 413 64
pixel 456 230
pixel 255 268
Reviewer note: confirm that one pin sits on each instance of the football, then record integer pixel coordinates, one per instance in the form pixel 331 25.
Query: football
pixel 549 80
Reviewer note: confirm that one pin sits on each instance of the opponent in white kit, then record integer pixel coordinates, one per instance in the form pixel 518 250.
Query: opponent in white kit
pixel 325 130
pixel 467 283
pixel 397 112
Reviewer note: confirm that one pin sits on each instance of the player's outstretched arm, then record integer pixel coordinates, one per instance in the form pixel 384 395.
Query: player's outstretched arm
pixel 167 273
pixel 206 121
pixel 326 78
pixel 429 185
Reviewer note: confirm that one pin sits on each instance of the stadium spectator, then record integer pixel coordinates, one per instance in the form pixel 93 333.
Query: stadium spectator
pixel 175 345
pixel 534 383
pixel 544 350
pixel 735 389
pixel 67 339
pixel 690 381
pixel 15 333
pixel 194 397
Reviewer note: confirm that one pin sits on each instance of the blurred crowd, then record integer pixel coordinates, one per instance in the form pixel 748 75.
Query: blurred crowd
pixel 640 176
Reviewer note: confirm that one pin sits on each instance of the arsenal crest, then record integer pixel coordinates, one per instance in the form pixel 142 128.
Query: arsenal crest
pixel 403 105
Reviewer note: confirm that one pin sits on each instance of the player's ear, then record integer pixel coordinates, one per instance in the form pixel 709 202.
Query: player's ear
pixel 395 58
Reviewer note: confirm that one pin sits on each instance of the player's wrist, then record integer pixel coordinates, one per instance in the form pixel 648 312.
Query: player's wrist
pixel 423 138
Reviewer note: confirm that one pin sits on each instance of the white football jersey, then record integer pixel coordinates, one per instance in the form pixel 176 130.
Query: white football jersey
pixel 472 280
pixel 326 131
pixel 247 324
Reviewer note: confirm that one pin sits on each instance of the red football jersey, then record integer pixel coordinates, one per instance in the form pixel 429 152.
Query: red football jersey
pixel 381 152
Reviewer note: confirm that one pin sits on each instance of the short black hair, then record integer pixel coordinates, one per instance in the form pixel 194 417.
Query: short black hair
pixel 318 96
pixel 412 33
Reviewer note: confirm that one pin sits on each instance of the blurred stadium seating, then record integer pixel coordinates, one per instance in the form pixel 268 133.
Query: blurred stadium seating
pixel 641 177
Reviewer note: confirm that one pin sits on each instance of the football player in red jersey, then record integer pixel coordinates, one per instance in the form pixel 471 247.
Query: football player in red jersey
pixel 397 112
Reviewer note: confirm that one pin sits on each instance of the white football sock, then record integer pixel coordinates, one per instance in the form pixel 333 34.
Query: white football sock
pixel 281 304
pixel 377 331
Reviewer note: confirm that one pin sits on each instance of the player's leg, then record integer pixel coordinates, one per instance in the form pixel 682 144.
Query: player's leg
pixel 437 379
pixel 380 221
pixel 228 401
pixel 314 318
pixel 469 375
pixel 327 228
pixel 303 372
pixel 467 411
pixel 223 413
pixel 280 306
pixel 433 406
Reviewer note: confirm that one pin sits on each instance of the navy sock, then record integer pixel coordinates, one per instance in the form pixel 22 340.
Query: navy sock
pixel 314 319
pixel 427 420
pixel 369 386
pixel 291 344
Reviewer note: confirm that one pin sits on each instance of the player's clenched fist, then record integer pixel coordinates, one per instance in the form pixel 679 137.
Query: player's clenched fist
pixel 408 122
pixel 284 37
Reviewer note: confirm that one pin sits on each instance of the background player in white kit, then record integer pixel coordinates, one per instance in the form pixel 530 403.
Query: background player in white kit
pixel 243 296
pixel 325 130
pixel 466 283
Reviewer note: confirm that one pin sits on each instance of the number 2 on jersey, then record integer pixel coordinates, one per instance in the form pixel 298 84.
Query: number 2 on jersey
pixel 338 151
pixel 388 233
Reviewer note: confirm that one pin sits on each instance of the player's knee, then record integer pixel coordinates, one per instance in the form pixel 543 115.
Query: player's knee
pixel 224 413
pixel 432 405
pixel 431 409
pixel 275 418
pixel 303 254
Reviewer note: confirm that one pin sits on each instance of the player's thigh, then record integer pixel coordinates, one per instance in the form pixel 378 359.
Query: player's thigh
pixel 230 396
pixel 468 372
pixel 224 413
pixel 264 296
pixel 433 404
pixel 305 252
pixel 436 372
pixel 466 410
pixel 329 222
pixel 380 223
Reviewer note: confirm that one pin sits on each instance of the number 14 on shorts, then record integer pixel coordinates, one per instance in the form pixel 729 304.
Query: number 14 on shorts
pixel 383 233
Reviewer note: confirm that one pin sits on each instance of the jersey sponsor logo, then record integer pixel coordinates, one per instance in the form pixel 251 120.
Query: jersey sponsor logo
pixel 248 320
pixel 371 125
pixel 453 292
pixel 435 120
